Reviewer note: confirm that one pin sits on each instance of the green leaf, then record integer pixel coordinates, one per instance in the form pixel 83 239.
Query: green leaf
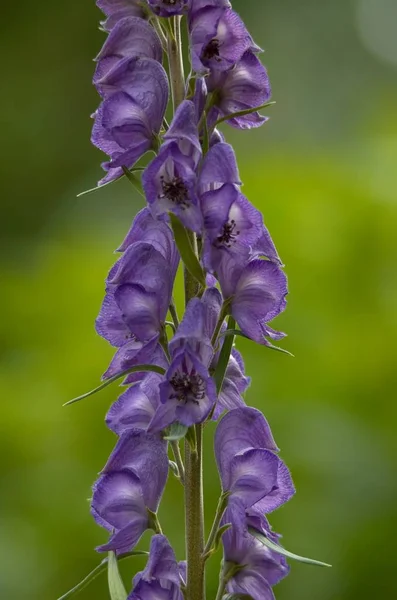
pixel 241 334
pixel 242 113
pixel 137 369
pixel 116 586
pixel 134 181
pixel 276 548
pixel 100 187
pixel 176 432
pixel 224 356
pixel 97 571
pixel 186 250
pixel 219 535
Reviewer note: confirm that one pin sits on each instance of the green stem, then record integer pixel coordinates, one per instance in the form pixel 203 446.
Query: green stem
pixel 222 317
pixel 178 459
pixel 194 519
pixel 220 509
pixel 175 59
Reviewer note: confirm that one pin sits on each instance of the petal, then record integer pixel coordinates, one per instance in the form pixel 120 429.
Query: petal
pixel 117 500
pixel 249 582
pixel 145 81
pixel 132 354
pixel 183 130
pixel 127 538
pixel 140 310
pixel 219 167
pixel 162 563
pixel 168 9
pixel 259 297
pixel 110 324
pixel 240 430
pixel 132 36
pixel 283 491
pixel 253 475
pixel 133 409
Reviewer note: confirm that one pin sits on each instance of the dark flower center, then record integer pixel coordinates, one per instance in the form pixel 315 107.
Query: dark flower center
pixel 170 2
pixel 211 50
pixel 188 387
pixel 176 191
pixel 229 234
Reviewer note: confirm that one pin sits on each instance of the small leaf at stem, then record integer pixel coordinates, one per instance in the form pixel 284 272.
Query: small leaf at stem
pixel 276 548
pixel 176 432
pixel 239 333
pixel 134 181
pixel 242 113
pixel 97 571
pixel 224 356
pixel 186 251
pixel 116 586
pixel 137 369
pixel 219 535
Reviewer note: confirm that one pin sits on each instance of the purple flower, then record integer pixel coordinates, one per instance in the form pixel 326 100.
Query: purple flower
pixel 115 10
pixel 168 8
pixel 127 122
pixel 244 87
pixel 170 179
pixel 234 385
pixel 170 186
pixel 131 37
pixel 132 481
pixel 135 306
pixel 188 393
pixel 254 568
pixel 218 39
pixel 136 407
pixel 162 564
pixel 151 231
pixel 247 463
pixel 258 294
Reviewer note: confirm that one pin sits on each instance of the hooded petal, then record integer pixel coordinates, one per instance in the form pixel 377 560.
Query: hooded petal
pixel 125 539
pixel 144 455
pixel 145 81
pixel 259 297
pixel 140 310
pixel 131 36
pixel 240 430
pixel 219 167
pixel 183 129
pixel 119 9
pixel 154 232
pixel 110 325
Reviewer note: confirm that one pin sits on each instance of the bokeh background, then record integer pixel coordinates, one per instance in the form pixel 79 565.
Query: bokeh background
pixel 324 172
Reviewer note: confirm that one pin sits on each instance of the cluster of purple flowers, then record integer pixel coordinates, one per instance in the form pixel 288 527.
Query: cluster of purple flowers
pixel 184 380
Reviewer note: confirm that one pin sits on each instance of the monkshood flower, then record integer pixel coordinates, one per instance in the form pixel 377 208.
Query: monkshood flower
pixel 135 306
pixel 131 483
pixel 249 468
pixel 187 394
pixel 232 225
pixel 195 332
pixel 257 292
pixel 244 87
pixel 218 39
pixel 115 10
pixel 170 180
pixel 136 407
pixel 250 567
pixel 128 121
pixel 131 37
pixel 168 8
pixel 160 580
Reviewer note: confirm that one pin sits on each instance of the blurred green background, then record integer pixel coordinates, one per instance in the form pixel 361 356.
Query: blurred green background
pixel 324 172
